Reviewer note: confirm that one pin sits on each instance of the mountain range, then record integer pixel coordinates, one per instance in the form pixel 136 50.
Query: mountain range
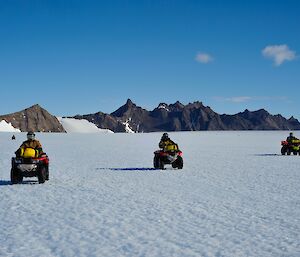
pixel 191 117
pixel 165 117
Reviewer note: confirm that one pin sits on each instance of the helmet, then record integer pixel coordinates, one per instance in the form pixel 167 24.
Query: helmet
pixel 30 135
pixel 291 133
pixel 165 136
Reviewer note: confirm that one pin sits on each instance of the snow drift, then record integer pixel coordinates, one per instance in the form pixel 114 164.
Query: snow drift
pixel 72 125
pixel 7 127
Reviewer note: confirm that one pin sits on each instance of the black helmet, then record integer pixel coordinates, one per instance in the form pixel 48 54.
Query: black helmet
pixel 30 135
pixel 165 136
pixel 291 133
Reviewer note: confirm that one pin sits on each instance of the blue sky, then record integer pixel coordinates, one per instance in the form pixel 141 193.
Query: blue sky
pixel 78 57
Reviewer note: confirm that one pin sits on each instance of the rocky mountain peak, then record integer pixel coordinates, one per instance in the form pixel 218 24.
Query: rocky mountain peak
pixel 129 103
pixel 34 118
pixel 262 111
pixel 34 106
pixel 196 104
pixel 294 122
pixel 126 108
pixel 162 106
pixel 176 106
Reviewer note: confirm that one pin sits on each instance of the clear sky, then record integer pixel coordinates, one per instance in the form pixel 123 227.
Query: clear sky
pixel 78 57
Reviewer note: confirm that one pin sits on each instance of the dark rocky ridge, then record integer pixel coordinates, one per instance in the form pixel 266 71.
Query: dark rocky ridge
pixel 166 117
pixel 34 118
pixel 191 117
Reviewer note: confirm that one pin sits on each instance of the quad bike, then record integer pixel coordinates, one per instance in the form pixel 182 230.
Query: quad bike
pixel 29 167
pixel 290 147
pixel 172 157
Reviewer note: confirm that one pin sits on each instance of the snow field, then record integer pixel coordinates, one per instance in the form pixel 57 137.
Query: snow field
pixel 236 196
pixel 72 125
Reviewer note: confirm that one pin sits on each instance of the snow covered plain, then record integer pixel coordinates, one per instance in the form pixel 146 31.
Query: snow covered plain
pixel 236 196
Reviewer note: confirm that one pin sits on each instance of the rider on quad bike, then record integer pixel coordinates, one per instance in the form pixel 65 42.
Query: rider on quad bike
pixel 291 137
pixel 30 143
pixel 30 161
pixel 166 144
pixel 291 145
pixel 169 154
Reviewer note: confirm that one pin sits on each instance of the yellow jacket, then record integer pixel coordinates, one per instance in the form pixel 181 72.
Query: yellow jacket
pixel 30 149
pixel 168 145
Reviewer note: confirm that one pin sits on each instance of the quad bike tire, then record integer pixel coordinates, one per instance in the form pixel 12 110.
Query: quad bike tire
pixel 158 163
pixel 283 150
pixel 42 175
pixel 47 173
pixel 178 163
pixel 15 177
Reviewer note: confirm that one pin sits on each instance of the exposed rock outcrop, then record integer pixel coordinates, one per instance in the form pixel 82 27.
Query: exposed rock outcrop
pixel 34 118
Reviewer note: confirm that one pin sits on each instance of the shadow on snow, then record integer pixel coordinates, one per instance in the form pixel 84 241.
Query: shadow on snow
pixel 8 182
pixel 5 182
pixel 267 154
pixel 129 169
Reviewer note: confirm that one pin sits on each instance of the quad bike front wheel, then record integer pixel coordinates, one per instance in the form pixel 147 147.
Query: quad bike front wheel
pixel 47 173
pixel 178 163
pixel 42 175
pixel 158 163
pixel 15 176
